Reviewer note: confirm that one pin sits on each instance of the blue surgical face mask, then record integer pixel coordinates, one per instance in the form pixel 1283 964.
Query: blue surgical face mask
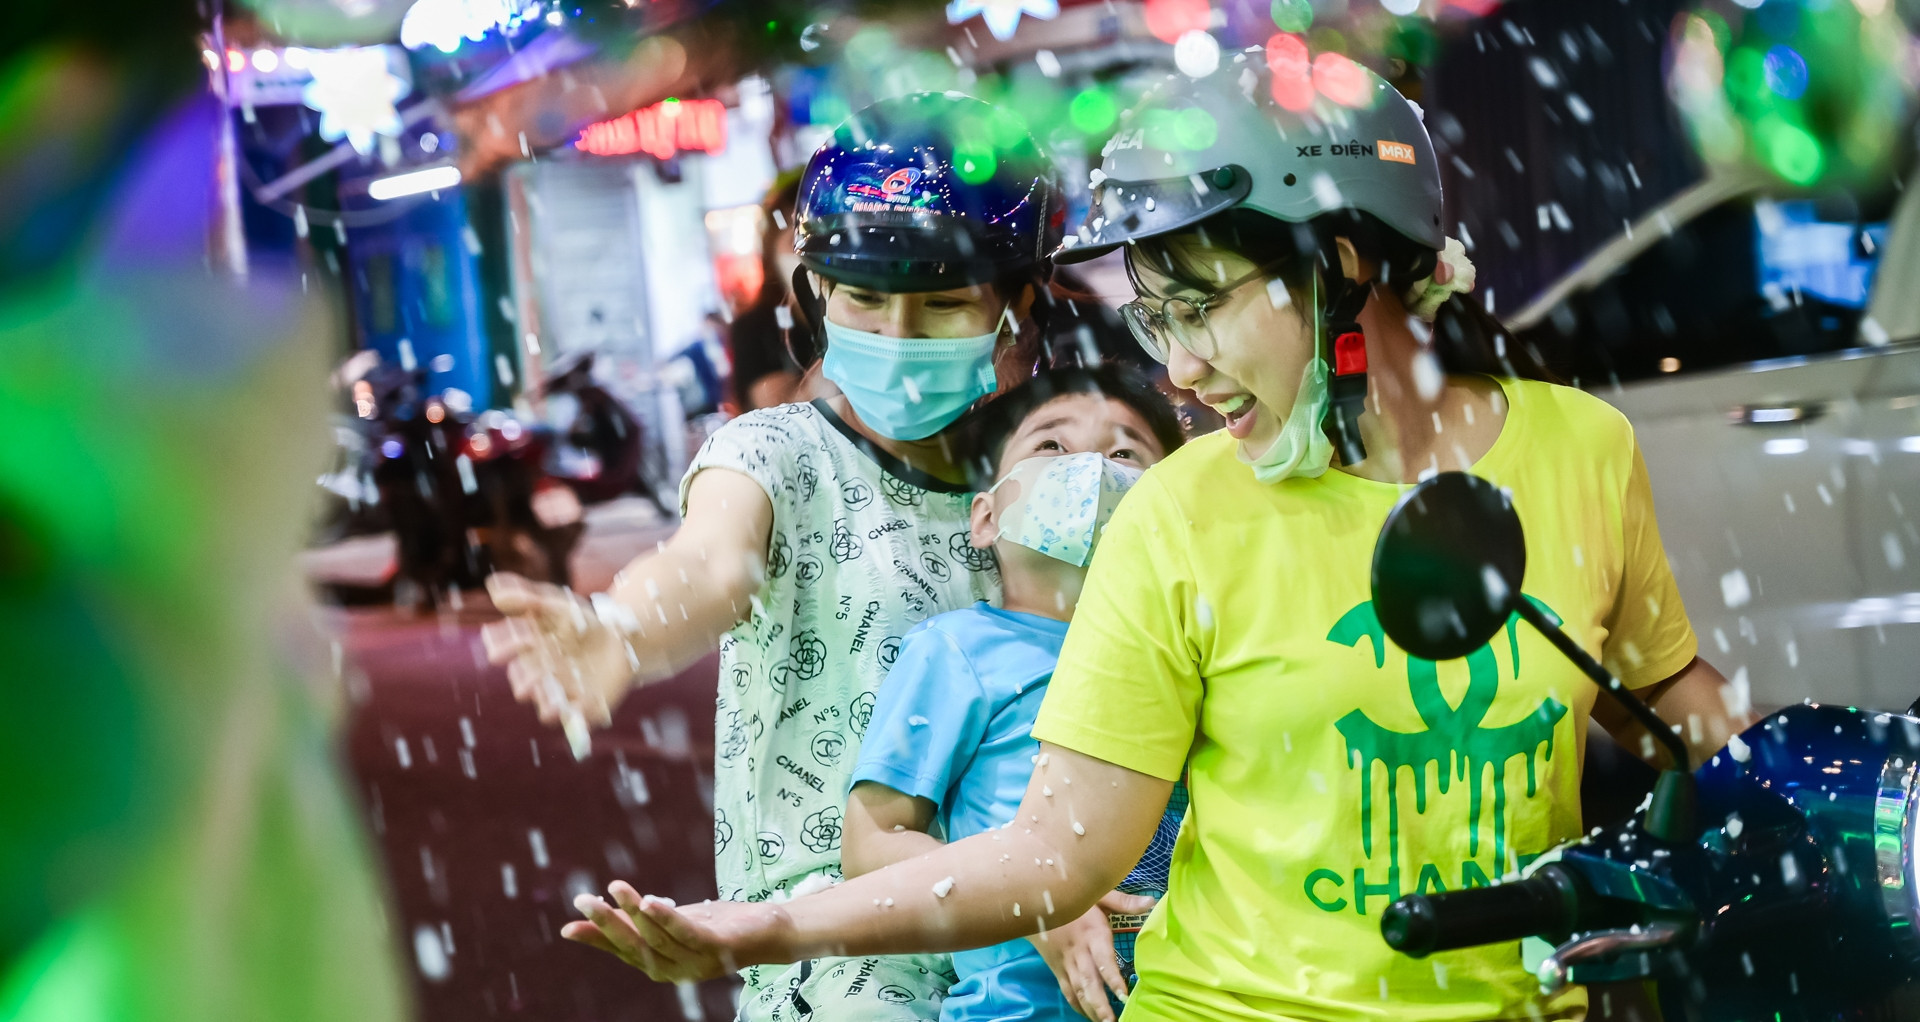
pixel 909 388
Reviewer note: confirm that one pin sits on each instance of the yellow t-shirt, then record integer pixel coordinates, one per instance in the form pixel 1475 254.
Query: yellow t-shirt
pixel 1227 626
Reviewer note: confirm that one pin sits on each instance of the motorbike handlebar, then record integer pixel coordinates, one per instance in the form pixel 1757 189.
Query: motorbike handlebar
pixel 1545 903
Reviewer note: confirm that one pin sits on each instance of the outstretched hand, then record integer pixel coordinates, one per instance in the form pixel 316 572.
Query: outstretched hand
pixel 559 655
pixel 1082 959
pixel 672 944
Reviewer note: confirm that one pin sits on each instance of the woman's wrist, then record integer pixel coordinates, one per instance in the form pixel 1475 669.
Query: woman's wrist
pixel 770 940
pixel 617 615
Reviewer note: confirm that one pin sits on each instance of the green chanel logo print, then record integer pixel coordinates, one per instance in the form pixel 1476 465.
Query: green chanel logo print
pixel 1457 742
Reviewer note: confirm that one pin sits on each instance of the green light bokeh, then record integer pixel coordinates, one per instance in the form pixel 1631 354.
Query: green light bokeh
pixel 1093 111
pixel 974 165
pixel 1196 129
pixel 1790 150
pixel 1292 15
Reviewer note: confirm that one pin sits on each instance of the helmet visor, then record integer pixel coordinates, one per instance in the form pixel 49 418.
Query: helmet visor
pixel 1128 211
pixel 905 252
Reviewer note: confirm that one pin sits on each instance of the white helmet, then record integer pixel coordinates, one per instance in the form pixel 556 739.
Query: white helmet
pixel 1273 132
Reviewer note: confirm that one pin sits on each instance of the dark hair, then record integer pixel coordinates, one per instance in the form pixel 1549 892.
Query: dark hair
pixel 778 202
pixel 1466 337
pixel 986 429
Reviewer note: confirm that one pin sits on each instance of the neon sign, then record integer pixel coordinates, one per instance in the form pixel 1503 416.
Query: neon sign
pixel 660 131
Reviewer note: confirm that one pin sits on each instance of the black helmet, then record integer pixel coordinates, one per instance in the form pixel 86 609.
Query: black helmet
pixel 928 192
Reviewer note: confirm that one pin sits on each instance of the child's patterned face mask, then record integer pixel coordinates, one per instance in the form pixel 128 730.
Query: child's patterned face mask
pixel 1061 504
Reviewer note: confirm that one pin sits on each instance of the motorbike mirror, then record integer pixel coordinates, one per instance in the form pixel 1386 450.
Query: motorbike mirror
pixel 1447 568
pixel 1446 578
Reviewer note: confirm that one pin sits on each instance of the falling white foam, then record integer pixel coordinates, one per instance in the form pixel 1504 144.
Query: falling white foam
pixel 1734 588
pixel 431 954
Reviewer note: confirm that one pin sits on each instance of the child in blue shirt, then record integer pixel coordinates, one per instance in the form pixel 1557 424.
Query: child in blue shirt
pixel 948 744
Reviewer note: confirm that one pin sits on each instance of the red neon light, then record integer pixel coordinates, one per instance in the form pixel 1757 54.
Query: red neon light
pixel 660 131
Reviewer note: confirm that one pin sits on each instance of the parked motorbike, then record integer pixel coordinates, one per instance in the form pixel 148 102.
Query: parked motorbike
pixel 1777 881
pixel 467 493
pixel 598 451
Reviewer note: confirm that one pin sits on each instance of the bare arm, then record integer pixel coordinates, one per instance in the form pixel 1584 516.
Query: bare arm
pixel 1083 824
pixel 672 605
pixel 883 826
pixel 1699 704
pixel 701 583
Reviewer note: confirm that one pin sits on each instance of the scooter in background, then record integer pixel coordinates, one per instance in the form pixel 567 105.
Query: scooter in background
pixel 1777 881
pixel 600 446
pixel 463 493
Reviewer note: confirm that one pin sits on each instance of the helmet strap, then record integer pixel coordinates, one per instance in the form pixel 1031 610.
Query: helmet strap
pixel 1344 346
pixel 806 345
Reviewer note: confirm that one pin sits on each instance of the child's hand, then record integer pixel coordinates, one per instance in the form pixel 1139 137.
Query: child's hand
pixel 1081 955
pixel 671 944
pixel 560 655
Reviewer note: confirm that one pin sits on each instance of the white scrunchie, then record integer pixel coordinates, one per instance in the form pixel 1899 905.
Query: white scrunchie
pixel 1426 297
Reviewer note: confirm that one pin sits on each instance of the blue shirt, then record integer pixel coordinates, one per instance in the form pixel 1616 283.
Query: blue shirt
pixel 952 725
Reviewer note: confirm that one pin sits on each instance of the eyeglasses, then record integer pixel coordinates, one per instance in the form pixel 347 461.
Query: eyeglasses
pixel 1182 321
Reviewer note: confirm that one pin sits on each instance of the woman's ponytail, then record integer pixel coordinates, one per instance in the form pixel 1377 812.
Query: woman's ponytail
pixel 1468 339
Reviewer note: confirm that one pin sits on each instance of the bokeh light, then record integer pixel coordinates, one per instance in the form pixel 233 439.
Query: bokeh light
pixel 871 49
pixel 1786 72
pixel 1160 129
pixel 1168 20
pixel 1292 15
pixel 974 164
pixel 826 108
pixel 1810 93
pixel 1338 78
pixel 1092 111
pixel 1195 129
pixel 1005 131
pixel 1790 150
pixel 1197 54
pixel 1292 72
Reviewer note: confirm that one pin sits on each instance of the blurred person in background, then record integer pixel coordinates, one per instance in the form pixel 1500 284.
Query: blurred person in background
pixel 816 534
pixel 760 339
pixel 172 793
pixel 1226 627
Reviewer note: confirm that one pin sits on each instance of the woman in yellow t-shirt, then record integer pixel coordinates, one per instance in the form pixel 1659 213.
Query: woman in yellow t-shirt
pixel 1282 228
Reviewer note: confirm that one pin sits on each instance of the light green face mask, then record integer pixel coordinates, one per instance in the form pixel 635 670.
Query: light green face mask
pixel 1302 448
